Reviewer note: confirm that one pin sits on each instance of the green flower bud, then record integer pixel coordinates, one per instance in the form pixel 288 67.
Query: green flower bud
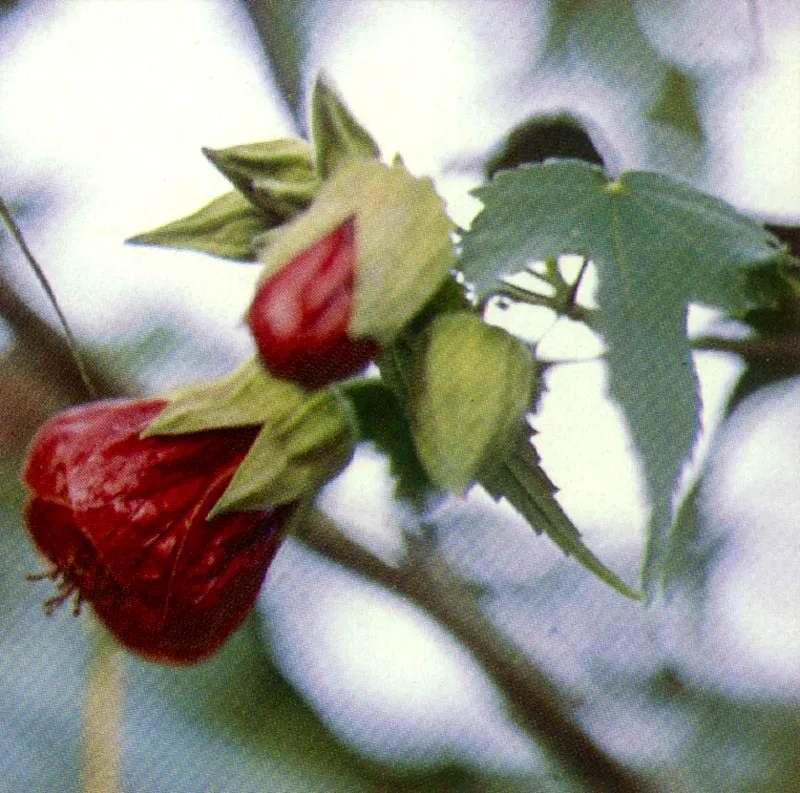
pixel 470 384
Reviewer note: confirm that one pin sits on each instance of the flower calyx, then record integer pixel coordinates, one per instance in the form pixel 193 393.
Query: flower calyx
pixel 301 439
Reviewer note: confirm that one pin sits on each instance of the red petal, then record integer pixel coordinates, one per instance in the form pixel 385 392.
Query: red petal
pixel 124 520
pixel 300 317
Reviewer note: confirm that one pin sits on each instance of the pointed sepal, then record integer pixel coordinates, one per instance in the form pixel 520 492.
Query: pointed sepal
pixel 291 459
pixel 247 397
pixel 227 227
pixel 276 176
pixel 338 137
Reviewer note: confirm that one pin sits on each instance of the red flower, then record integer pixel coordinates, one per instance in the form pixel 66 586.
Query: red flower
pixel 123 519
pixel 300 316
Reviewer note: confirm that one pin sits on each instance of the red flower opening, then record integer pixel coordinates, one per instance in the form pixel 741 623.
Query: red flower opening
pixel 301 315
pixel 123 519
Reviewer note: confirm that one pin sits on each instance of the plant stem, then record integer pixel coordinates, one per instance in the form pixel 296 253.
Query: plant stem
pixel 8 218
pixel 102 715
pixel 427 580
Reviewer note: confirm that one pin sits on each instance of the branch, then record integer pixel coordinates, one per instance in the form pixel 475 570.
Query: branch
pixel 777 350
pixel 427 580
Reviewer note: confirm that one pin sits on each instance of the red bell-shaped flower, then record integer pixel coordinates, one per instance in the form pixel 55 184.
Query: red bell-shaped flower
pixel 300 317
pixel 123 520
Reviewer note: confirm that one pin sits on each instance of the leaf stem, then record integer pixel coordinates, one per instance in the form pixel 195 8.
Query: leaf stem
pixel 16 232
pixel 573 292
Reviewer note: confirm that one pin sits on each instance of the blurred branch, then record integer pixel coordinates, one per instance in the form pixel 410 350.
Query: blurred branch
pixel 281 26
pixel 427 580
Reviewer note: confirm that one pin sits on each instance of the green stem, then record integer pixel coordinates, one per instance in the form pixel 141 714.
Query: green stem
pixel 8 218
pixel 102 715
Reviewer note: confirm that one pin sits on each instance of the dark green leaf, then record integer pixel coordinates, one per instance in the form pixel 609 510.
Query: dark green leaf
pixel 381 420
pixel 657 245
pixel 543 138
pixel 226 227
pixel 337 136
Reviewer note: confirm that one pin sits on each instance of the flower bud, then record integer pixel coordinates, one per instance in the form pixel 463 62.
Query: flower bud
pixel 471 383
pixel 345 276
pixel 123 519
pixel 300 316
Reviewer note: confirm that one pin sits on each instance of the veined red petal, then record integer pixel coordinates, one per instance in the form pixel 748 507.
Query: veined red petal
pixel 123 519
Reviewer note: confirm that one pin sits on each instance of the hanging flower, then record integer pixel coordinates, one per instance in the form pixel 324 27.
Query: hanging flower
pixel 123 521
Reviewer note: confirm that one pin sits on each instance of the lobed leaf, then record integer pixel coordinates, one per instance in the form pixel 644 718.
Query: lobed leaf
pixel 658 245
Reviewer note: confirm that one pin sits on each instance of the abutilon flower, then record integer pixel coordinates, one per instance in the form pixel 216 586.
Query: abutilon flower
pixel 123 520
pixel 300 316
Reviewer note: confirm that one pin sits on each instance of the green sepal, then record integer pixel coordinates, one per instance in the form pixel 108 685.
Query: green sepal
pixel 292 458
pixel 248 397
pixel 469 382
pixel 513 472
pixel 226 228
pixel 403 242
pixel 276 176
pixel 338 137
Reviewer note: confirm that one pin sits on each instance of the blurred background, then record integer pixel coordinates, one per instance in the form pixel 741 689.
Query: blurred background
pixel 339 683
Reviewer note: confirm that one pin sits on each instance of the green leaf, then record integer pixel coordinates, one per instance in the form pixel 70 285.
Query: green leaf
pixel 293 456
pixel 248 397
pixel 338 137
pixel 515 474
pixel 276 176
pixel 657 245
pixel 381 420
pixel 469 381
pixel 226 228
